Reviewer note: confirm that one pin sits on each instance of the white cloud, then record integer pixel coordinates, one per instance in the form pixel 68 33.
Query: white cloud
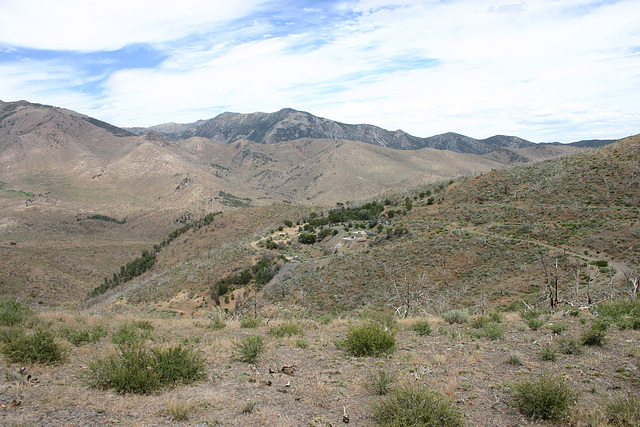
pixel 92 26
pixel 543 70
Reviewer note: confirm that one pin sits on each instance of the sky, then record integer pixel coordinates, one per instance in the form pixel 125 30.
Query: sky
pixel 543 70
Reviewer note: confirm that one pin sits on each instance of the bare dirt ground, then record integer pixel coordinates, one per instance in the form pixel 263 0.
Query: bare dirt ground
pixel 452 359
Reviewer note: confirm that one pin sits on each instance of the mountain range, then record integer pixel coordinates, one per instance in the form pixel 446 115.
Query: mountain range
pixel 289 124
pixel 262 158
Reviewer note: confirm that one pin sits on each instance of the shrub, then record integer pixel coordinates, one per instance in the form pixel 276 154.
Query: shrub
pixel 250 322
pixel 379 382
pixel 80 336
pixel 13 312
pixel 37 348
pixel 514 359
pixel 248 407
pixel 626 314
pixel 369 339
pixel 325 319
pixel 142 371
pixel 557 328
pixel 594 336
pixel 178 410
pixel 624 411
pixel 248 349
pixel 479 321
pixel 568 346
pixel 535 323
pixel 547 398
pixel 422 327
pixel 496 317
pixel 287 328
pixel 132 334
pixel 493 331
pixel 415 406
pixel 216 324
pixel 547 352
pixel 530 314
pixel 456 316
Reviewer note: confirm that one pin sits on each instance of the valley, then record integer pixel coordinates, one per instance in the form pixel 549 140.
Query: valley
pixel 487 270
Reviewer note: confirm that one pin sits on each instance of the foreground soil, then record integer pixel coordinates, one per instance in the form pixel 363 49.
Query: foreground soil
pixel 325 382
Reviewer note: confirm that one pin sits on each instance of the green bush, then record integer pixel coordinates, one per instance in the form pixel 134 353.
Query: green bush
pixel 415 406
pixel 141 370
pixel 13 312
pixel 514 359
pixel 594 336
pixel 250 322
pixel 132 334
pixel 625 313
pixel 216 324
pixel 37 348
pixel 80 336
pixel 422 327
pixel 557 328
pixel 493 331
pixel 547 398
pixel 530 314
pixel 369 339
pixel 548 353
pixel 534 323
pixel 496 317
pixel 568 346
pixel 379 382
pixel 287 328
pixel 479 321
pixel 624 411
pixel 456 316
pixel 248 349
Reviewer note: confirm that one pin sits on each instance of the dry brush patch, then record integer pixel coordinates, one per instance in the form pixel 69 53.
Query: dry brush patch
pixel 291 385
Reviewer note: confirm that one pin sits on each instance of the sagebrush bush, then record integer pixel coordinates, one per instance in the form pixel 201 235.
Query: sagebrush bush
pixel 557 328
pixel 39 347
pixel 530 314
pixel 493 331
pixel 546 398
pixel 624 411
pixel 369 339
pixel 534 323
pixel 286 328
pixel 514 359
pixel 216 324
pixel 594 336
pixel 13 312
pixel 456 316
pixel 248 349
pixel 479 321
pixel 568 346
pixel 496 317
pixel 140 370
pixel 132 334
pixel 250 322
pixel 416 406
pixel 625 313
pixel 379 381
pixel 421 327
pixel 79 336
pixel 548 353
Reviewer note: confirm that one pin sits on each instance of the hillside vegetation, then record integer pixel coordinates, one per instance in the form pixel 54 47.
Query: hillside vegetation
pixel 557 233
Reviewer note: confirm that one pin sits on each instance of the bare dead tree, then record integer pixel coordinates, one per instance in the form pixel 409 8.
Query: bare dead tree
pixel 632 276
